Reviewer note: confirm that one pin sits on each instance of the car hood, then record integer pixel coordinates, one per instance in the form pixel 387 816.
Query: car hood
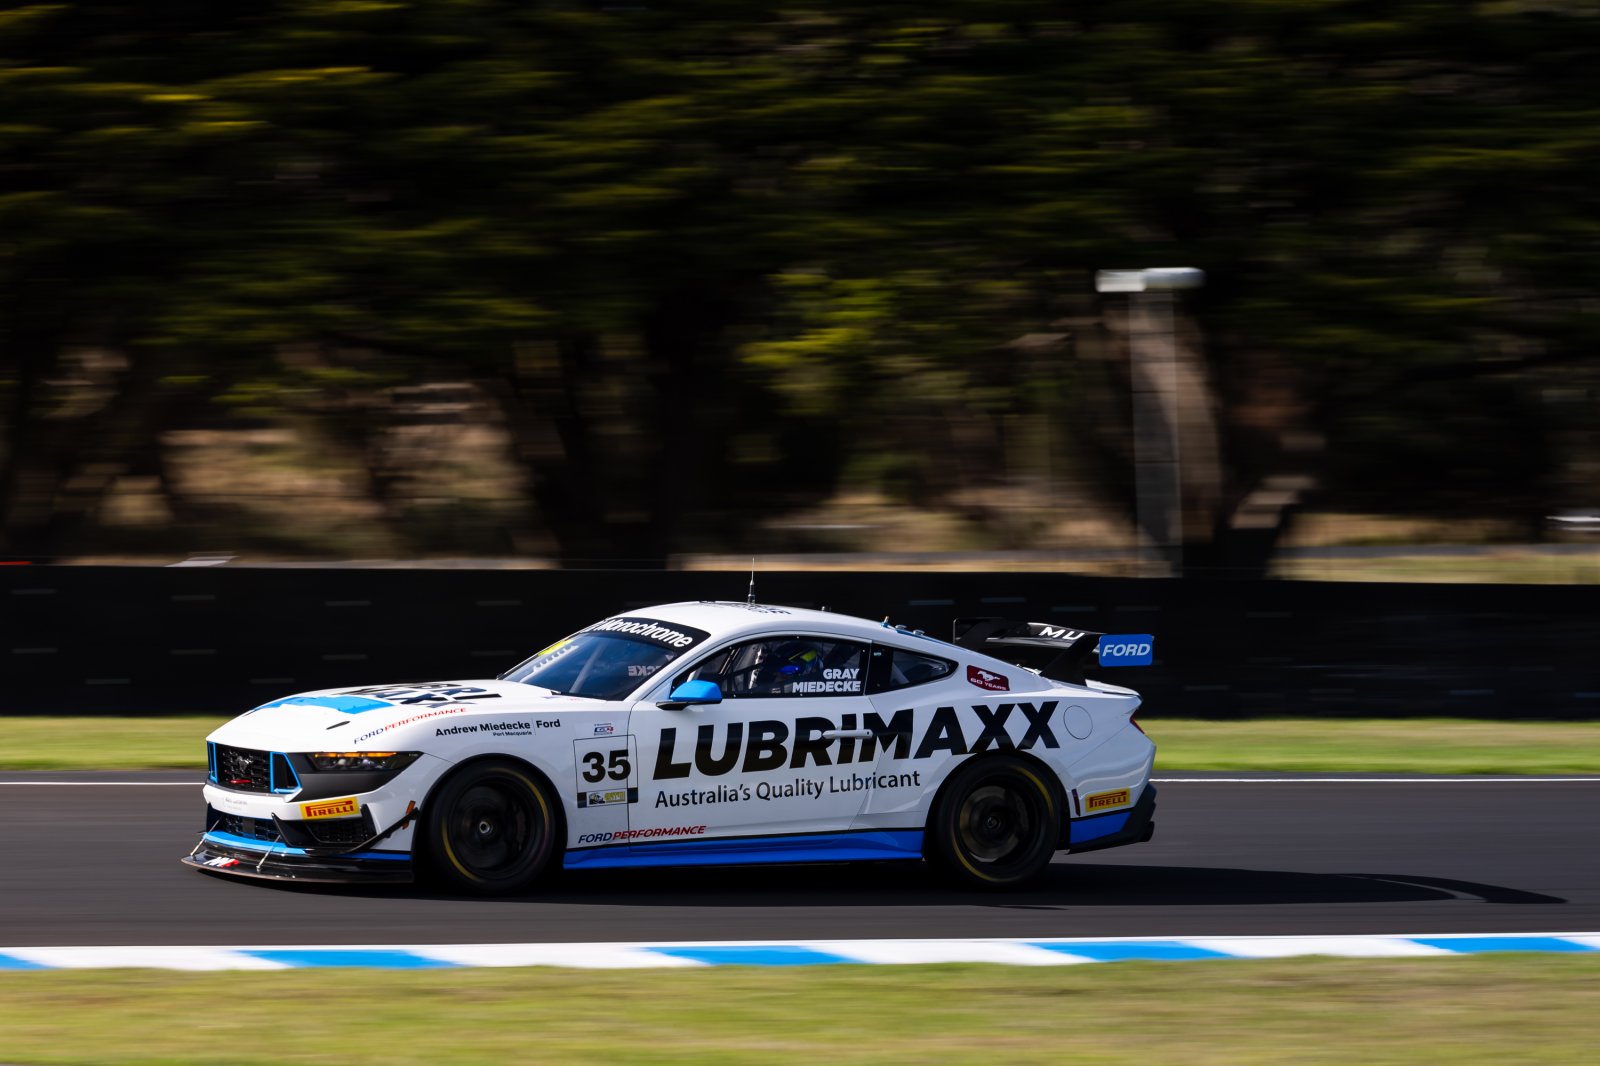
pixel 390 717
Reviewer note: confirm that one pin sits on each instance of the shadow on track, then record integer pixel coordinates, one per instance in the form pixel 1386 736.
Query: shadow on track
pixel 901 885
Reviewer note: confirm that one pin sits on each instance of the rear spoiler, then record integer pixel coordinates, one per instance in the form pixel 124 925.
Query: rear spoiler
pixel 1060 653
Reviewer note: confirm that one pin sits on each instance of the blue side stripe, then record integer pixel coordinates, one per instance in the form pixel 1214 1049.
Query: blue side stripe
pixel 821 847
pixel 753 955
pixel 236 841
pixel 11 962
pixel 1132 950
pixel 325 957
pixel 1476 944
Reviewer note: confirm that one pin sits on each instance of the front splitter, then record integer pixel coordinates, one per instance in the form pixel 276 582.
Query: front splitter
pixel 289 864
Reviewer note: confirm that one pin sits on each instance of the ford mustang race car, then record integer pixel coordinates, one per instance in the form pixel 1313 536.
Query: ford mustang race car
pixel 710 733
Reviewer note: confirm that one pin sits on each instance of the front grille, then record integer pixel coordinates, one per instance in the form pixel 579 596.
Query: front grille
pixel 248 770
pixel 243 769
pixel 251 828
pixel 348 831
pixel 293 833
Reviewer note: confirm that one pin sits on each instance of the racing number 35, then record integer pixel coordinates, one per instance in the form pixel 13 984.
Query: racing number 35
pixel 597 766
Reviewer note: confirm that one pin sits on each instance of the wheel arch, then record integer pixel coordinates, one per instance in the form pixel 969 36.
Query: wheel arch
pixel 559 807
pixel 1052 782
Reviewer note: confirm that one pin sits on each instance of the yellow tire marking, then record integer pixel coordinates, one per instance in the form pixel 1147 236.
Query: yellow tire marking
pixel 544 809
pixel 955 839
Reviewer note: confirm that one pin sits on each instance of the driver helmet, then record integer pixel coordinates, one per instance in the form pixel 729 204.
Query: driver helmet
pixel 791 661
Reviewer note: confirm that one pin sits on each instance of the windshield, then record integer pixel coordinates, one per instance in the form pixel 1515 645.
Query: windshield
pixel 609 659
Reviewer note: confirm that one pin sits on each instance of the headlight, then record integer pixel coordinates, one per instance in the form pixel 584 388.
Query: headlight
pixel 362 760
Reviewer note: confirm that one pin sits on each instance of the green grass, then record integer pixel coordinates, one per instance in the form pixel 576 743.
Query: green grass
pixel 1408 745
pixel 56 743
pixel 1416 745
pixel 1523 1009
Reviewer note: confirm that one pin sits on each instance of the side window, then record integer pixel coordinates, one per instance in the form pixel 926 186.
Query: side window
pixel 784 666
pixel 895 668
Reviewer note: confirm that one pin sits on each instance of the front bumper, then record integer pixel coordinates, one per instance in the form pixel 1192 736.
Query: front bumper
pixel 263 836
pixel 223 853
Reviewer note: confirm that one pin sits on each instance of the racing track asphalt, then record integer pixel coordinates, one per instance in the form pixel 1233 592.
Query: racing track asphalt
pixel 99 865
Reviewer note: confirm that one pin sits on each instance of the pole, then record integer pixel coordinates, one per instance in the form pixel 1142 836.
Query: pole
pixel 1153 376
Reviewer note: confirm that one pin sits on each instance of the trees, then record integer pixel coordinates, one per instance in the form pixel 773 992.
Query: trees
pixel 703 256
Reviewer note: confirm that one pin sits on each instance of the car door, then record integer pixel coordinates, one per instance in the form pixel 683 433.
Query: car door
pixel 917 732
pixel 764 762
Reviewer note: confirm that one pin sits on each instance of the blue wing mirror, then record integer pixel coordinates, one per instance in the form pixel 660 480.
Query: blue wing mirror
pixel 692 693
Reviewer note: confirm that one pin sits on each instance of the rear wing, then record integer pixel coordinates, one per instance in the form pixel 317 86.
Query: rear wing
pixel 1060 653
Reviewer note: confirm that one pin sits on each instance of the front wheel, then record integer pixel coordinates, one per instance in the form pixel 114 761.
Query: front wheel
pixel 491 828
pixel 997 824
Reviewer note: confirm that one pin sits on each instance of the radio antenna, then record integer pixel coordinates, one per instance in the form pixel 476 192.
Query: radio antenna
pixel 750 597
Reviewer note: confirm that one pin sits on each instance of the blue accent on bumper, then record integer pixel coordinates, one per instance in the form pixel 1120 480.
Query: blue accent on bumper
pixel 387 960
pixel 821 847
pixel 235 841
pixel 347 704
pixel 273 782
pixel 1149 950
pixel 754 955
pixel 1100 825
pixel 1476 944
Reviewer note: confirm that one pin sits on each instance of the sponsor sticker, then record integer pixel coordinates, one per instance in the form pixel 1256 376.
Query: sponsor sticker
pixel 344 807
pixel 1127 649
pixel 222 863
pixel 604 729
pixel 430 693
pixel 563 642
pixel 1061 633
pixel 407 721
pixel 620 835
pixel 1100 801
pixel 716 749
pixel 988 679
pixel 651 630
pixel 608 798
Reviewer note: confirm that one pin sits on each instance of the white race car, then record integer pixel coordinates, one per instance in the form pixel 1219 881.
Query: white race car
pixel 710 733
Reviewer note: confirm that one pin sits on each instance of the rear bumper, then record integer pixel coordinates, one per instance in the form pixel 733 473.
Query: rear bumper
pixel 223 853
pixel 1132 826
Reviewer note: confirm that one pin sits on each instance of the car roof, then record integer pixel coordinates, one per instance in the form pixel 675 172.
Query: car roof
pixel 733 618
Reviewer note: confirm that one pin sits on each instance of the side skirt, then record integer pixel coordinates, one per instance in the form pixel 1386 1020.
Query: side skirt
pixel 855 846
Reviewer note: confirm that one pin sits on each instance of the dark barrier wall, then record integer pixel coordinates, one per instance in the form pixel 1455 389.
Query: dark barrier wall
pixel 152 640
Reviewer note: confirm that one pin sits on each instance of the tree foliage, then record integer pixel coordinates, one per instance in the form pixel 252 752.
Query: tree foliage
pixel 701 254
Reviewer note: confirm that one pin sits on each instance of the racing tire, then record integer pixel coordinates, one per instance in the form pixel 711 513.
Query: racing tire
pixel 997 823
pixel 491 829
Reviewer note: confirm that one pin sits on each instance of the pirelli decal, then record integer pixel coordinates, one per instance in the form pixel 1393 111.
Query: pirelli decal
pixel 346 807
pixel 1104 801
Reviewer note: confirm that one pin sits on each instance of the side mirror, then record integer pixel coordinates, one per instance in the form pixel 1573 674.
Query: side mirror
pixel 692 693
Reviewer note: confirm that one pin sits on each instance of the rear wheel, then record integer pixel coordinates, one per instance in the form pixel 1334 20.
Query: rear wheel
pixel 997 823
pixel 491 828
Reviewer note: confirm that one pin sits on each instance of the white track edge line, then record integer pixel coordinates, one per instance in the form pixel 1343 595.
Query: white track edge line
pixel 780 942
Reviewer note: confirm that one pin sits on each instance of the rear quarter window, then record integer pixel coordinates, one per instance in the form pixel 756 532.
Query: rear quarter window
pixel 890 669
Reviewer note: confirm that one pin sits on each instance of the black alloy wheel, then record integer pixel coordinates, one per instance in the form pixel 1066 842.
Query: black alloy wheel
pixel 491 829
pixel 997 823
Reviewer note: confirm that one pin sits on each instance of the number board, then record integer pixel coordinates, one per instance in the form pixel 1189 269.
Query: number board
pixel 607 771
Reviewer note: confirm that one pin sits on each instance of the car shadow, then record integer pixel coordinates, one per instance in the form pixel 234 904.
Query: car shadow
pixel 900 885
